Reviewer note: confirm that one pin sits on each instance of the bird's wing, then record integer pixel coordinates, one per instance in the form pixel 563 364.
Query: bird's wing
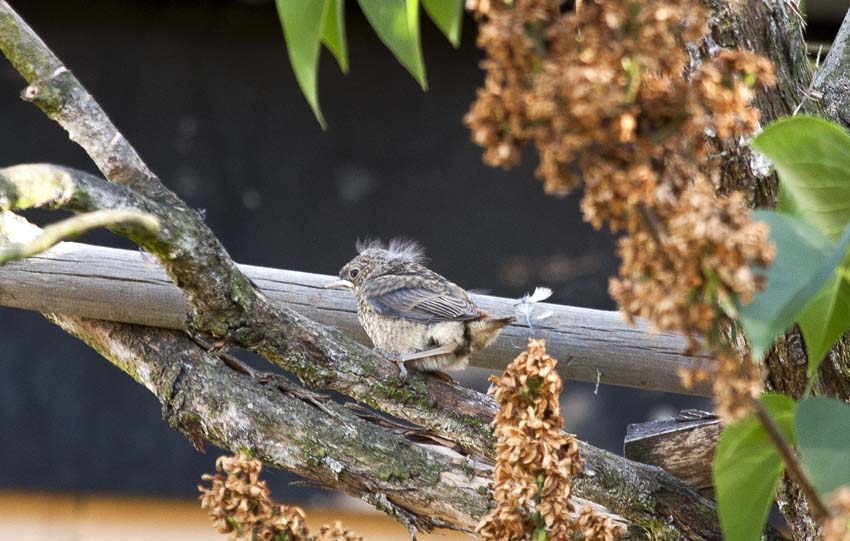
pixel 423 304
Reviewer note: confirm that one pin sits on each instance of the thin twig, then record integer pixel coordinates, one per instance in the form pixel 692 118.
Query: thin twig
pixel 653 224
pixel 810 90
pixel 73 227
pixel 792 463
pixel 229 360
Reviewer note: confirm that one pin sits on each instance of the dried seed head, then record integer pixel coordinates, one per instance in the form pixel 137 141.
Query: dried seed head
pixel 608 96
pixel 837 528
pixel 240 504
pixel 535 457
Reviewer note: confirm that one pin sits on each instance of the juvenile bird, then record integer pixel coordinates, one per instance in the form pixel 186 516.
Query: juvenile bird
pixel 412 314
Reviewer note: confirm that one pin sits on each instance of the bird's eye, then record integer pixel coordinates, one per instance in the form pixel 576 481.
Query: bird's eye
pixel 353 273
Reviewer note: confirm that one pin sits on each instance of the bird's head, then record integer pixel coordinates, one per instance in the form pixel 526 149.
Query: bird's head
pixel 377 259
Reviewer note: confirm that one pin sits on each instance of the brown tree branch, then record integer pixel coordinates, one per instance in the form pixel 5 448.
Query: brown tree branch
pixel 329 445
pixel 792 463
pixel 125 286
pixel 74 227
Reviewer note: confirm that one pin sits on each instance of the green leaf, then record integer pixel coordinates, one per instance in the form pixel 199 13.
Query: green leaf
pixel 397 24
pixel 805 261
pixel 302 26
pixel 448 16
pixel 823 435
pixel 747 469
pixel 812 157
pixel 785 203
pixel 825 319
pixel 333 32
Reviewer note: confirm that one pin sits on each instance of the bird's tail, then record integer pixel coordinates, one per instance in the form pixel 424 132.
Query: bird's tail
pixel 501 322
pixel 487 329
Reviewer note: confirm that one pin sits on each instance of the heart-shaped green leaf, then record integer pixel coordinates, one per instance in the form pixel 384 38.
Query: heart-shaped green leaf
pixel 812 157
pixel 823 435
pixel 747 470
pixel 825 319
pixel 805 261
pixel 397 24
pixel 448 16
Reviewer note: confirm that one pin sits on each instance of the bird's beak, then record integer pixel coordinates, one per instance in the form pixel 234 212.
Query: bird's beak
pixel 340 284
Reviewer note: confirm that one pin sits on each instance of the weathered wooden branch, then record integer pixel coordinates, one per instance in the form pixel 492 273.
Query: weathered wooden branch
pixel 683 446
pixel 125 286
pixel 318 439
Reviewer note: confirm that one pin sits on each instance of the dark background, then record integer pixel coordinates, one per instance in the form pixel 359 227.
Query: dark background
pixel 204 91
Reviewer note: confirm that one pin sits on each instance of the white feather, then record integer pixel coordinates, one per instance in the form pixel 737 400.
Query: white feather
pixel 545 315
pixel 526 306
pixel 540 294
pixel 401 249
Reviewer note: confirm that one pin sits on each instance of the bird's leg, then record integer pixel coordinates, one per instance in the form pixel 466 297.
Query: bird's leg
pixel 400 358
pixel 395 358
pixel 442 350
pixel 439 374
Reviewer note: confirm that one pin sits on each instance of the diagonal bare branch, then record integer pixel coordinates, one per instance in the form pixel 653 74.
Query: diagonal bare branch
pixel 330 446
pixel 74 227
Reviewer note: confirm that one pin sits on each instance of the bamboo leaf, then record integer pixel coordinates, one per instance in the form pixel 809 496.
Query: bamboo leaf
pixel 333 32
pixel 448 16
pixel 397 24
pixel 302 29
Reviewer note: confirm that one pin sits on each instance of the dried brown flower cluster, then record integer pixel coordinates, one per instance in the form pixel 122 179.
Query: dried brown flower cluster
pixel 736 384
pixel 336 533
pixel 608 96
pixel 837 527
pixel 535 458
pixel 240 505
pixel 596 526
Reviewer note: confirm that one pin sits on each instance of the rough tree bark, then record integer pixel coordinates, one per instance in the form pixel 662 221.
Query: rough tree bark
pixel 774 29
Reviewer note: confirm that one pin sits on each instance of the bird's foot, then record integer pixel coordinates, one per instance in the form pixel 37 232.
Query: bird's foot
pixel 395 358
pixel 445 376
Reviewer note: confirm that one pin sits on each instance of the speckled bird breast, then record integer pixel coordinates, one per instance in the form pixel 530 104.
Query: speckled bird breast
pixel 392 334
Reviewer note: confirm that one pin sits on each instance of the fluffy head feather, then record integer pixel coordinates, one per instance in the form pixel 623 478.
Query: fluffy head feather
pixel 397 249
